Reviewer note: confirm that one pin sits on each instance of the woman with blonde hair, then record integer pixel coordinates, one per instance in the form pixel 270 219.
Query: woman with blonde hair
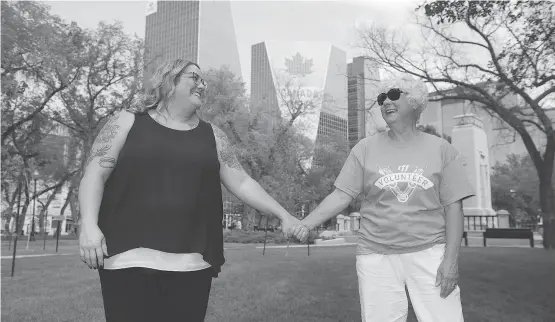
pixel 412 217
pixel 151 203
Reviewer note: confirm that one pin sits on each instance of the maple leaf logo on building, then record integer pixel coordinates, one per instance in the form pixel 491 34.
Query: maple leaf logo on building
pixel 298 65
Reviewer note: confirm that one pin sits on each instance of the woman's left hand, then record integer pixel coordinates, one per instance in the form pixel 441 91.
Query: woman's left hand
pixel 288 225
pixel 301 232
pixel 447 276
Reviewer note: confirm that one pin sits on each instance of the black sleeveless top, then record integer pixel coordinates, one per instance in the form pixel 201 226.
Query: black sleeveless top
pixel 165 193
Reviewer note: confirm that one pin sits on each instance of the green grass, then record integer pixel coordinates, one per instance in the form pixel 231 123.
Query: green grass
pixel 497 284
pixel 36 247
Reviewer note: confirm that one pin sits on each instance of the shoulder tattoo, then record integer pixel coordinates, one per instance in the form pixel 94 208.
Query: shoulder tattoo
pixel 103 143
pixel 226 151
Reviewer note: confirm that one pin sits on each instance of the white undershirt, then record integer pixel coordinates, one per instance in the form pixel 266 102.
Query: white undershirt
pixel 155 259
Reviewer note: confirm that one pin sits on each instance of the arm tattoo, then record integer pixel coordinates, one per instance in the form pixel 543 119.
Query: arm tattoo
pixel 102 144
pixel 226 152
pixel 107 162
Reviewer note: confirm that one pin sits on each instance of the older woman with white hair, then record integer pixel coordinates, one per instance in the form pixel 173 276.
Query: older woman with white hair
pixel 412 217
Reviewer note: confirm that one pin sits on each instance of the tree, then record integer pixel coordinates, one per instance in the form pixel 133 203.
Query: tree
pixel 41 56
pixel 514 187
pixel 109 81
pixel 302 168
pixel 273 151
pixel 27 149
pixel 332 151
pixel 225 97
pixel 430 129
pixel 56 74
pixel 495 54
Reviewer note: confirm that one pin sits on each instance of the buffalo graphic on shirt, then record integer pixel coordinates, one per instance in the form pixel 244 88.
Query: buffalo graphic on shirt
pixel 404 182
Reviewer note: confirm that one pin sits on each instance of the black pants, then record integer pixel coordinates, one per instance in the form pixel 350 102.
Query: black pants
pixel 142 294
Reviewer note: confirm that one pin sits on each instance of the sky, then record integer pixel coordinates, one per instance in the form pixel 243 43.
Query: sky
pixel 256 21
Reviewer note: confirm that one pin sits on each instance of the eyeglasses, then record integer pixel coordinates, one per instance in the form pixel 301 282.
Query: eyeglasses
pixel 393 95
pixel 197 79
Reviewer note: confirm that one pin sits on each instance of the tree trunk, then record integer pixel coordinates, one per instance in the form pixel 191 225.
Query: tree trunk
pixel 24 206
pixel 547 202
pixel 43 211
pixel 8 211
pixel 22 215
pixel 66 202
pixel 259 219
pixel 74 207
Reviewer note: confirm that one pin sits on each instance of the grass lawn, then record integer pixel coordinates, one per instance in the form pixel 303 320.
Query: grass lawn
pixel 497 284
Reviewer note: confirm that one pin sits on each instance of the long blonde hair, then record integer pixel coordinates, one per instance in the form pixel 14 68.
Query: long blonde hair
pixel 163 84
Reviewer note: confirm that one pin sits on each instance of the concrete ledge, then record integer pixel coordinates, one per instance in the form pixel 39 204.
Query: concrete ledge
pixel 314 245
pixel 334 241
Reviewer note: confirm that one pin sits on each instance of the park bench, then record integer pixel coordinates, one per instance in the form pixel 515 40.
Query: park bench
pixel 510 233
pixel 263 228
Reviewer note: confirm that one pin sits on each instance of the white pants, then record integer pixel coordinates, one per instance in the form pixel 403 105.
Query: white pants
pixel 382 280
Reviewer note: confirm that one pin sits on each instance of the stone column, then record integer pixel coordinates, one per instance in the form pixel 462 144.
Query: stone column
pixel 355 221
pixel 503 219
pixel 63 227
pixel 470 139
pixel 340 222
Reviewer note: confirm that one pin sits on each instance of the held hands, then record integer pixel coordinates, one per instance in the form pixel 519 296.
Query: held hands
pixel 447 276
pixel 92 246
pixel 288 224
pixel 293 227
pixel 301 232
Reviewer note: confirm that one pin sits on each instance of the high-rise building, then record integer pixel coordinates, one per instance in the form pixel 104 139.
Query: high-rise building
pixel 311 72
pixel 199 31
pixel 263 90
pixel 364 117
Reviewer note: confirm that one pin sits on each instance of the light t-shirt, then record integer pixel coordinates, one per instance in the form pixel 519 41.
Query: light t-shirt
pixel 406 187
pixel 155 259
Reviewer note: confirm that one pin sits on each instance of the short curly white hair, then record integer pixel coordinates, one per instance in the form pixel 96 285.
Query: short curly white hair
pixel 416 90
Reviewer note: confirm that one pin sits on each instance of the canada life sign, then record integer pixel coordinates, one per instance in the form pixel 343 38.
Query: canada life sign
pixel 303 93
pixel 297 70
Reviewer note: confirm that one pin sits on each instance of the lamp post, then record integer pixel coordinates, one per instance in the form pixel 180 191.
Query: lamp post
pixel 512 192
pixel 35 176
pixel 44 222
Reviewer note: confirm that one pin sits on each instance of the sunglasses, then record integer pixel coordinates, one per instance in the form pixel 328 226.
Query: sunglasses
pixel 197 79
pixel 393 95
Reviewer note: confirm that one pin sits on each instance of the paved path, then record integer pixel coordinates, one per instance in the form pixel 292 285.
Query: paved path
pixel 234 246
pixel 38 255
pixel 477 243
pixel 76 253
pixel 300 246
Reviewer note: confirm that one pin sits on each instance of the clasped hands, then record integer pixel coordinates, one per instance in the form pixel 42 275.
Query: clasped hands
pixel 293 227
